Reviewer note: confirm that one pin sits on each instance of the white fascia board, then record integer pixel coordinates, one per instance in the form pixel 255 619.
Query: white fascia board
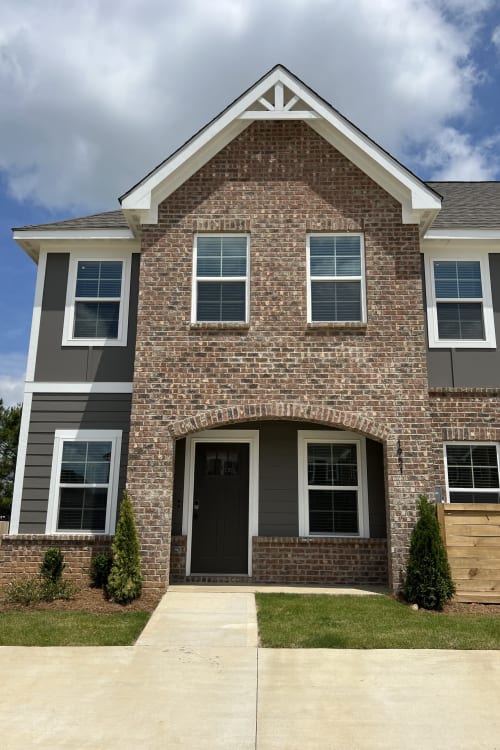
pixel 462 234
pixel 73 234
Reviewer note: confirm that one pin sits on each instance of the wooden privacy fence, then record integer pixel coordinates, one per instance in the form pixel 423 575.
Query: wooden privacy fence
pixel 472 536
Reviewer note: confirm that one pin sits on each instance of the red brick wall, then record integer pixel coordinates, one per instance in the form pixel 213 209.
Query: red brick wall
pixel 21 555
pixel 278 181
pixel 178 551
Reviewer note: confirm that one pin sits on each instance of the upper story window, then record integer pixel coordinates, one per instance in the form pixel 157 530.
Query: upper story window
pixel 220 284
pixel 459 306
pixel 336 289
pixel 97 301
pixel 472 472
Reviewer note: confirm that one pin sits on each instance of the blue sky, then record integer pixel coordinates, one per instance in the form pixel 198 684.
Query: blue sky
pixel 95 94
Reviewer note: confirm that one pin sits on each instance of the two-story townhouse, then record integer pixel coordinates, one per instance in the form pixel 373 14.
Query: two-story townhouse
pixel 278 343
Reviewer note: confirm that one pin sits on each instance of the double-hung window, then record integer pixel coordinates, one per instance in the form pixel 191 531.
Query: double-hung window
pixel 97 301
pixel 336 288
pixel 472 472
pixel 220 293
pixel 332 484
pixel 459 306
pixel 83 491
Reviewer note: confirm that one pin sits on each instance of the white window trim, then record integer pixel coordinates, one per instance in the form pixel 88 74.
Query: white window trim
pixel 305 437
pixel 115 437
pixel 222 436
pixel 196 278
pixel 467 489
pixel 447 254
pixel 69 314
pixel 310 278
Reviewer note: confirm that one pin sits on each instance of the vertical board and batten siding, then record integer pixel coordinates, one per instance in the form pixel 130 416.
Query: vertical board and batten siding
pixel 472 536
pixel 69 412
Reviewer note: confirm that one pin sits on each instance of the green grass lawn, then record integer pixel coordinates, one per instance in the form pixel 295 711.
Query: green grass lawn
pixel 322 621
pixel 51 628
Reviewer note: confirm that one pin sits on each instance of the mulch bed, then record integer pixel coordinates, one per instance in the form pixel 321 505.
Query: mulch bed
pixel 461 608
pixel 86 600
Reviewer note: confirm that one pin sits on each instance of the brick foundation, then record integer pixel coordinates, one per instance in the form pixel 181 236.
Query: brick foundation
pixel 21 555
pixel 302 560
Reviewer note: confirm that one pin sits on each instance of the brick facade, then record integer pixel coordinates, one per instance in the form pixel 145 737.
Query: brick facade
pixel 278 181
pixel 21 555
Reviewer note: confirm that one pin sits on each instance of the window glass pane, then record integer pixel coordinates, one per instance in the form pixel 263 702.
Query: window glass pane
pixel 335 256
pixel 221 301
pixel 332 464
pixel 335 301
pixel 82 509
pixel 460 320
pixel 474 497
pixel 333 511
pixel 221 256
pixel 99 278
pixel 457 279
pixel 85 462
pixel 96 320
pixel 473 466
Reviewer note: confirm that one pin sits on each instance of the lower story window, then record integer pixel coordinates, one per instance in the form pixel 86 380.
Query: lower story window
pixel 472 472
pixel 331 485
pixel 84 481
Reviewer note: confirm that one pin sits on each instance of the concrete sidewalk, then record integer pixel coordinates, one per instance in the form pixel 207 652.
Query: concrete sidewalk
pixel 196 679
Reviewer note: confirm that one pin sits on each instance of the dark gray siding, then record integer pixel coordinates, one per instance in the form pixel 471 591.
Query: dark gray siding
pixel 278 479
pixel 71 411
pixel 469 368
pixel 73 363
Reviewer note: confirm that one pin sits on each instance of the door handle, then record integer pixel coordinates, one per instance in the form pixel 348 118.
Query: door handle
pixel 196 508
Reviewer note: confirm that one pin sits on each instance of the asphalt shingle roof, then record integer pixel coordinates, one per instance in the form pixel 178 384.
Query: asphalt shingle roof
pixel 474 205
pixel 106 220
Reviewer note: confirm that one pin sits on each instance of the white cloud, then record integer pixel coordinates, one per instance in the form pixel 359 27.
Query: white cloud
pixel 452 156
pixel 12 369
pixel 495 37
pixel 95 94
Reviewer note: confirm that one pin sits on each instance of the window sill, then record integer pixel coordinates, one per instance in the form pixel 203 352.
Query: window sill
pixel 340 327
pixel 209 326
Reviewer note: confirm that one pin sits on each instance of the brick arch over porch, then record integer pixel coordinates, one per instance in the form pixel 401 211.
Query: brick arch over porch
pixel 205 420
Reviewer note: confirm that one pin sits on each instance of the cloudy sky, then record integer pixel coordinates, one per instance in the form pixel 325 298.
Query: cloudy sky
pixel 94 94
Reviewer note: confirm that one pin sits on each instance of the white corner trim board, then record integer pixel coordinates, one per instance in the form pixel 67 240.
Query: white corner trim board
pixel 37 313
pixel 20 464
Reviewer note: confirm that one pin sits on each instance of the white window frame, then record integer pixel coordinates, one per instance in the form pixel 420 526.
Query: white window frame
pixel 304 437
pixel 310 279
pixel 62 436
pixel 69 316
pixel 251 437
pixel 468 489
pixel 196 278
pixel 459 254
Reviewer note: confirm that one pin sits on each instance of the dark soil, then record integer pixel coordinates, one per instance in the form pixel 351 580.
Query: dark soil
pixel 461 608
pixel 86 600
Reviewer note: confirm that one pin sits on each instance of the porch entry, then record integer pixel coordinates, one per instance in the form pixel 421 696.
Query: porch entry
pixel 220 509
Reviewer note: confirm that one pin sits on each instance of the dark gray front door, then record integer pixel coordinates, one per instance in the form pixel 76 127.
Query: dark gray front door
pixel 219 542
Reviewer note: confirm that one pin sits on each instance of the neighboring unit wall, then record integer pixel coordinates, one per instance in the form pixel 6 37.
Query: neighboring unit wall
pixel 69 411
pixel 74 363
pixel 469 368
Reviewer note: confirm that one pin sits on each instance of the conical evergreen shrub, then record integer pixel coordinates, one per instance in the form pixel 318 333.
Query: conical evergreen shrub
pixel 125 578
pixel 428 580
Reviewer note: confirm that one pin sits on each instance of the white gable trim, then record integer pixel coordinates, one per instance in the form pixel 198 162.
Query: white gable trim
pixel 419 203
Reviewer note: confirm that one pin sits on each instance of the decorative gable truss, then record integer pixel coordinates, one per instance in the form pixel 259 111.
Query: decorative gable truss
pixel 279 95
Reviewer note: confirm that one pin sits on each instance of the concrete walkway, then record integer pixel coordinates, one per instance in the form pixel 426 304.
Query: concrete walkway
pixel 196 679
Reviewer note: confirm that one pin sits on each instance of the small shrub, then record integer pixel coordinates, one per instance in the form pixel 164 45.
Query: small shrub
pixel 52 565
pixel 428 580
pixel 24 591
pixel 125 578
pixel 37 589
pixel 100 568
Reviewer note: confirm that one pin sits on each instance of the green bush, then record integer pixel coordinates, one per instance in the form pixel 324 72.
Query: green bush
pixel 125 578
pixel 52 565
pixel 428 580
pixel 100 568
pixel 36 589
